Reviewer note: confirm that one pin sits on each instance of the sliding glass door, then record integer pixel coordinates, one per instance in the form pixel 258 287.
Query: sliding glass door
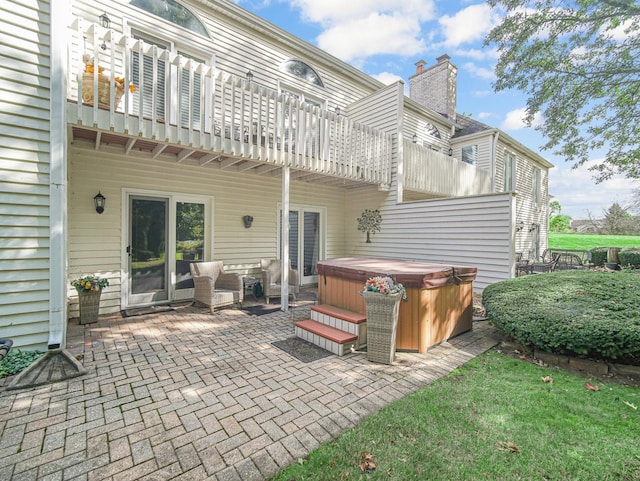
pixel 165 234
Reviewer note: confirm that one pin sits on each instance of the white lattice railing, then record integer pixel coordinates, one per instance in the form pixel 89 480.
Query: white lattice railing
pixel 177 100
pixel 433 172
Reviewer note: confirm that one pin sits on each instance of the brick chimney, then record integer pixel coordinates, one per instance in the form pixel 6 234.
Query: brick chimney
pixel 435 87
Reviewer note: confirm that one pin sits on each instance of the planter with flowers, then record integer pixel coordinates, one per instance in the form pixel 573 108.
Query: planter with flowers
pixel 382 296
pixel 89 291
pixel 104 86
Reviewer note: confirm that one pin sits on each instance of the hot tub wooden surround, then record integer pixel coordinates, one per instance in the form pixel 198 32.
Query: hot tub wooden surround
pixel 440 297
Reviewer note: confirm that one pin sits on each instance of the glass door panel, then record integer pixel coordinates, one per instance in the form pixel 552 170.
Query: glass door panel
pixel 310 246
pixel 147 250
pixel 189 247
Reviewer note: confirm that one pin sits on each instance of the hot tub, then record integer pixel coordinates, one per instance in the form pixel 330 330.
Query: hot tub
pixel 440 297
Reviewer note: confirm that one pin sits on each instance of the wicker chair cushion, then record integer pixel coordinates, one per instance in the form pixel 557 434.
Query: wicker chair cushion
pixel 274 271
pixel 207 269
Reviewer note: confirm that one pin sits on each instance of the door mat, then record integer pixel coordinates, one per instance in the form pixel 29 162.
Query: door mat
pixel 142 311
pixel 260 310
pixel 302 350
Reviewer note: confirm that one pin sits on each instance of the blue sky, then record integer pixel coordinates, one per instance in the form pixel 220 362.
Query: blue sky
pixel 384 38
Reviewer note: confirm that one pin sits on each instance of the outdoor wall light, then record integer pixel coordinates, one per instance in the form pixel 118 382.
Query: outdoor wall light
pixel 248 220
pixel 105 21
pixel 520 226
pixel 450 151
pixel 249 76
pixel 338 111
pixel 533 227
pixel 414 139
pixel 100 201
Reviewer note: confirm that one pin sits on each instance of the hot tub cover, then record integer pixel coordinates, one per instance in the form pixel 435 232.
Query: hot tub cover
pixel 410 274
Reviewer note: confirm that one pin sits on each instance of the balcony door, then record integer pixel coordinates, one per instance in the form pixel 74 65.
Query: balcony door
pixel 165 234
pixel 306 241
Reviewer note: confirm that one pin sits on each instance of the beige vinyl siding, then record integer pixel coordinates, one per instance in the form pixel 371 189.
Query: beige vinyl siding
pixel 241 41
pixel 95 244
pixel 24 173
pixel 469 231
pixel 484 152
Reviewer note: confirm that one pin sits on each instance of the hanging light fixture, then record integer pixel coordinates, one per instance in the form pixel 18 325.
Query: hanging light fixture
pixel 100 201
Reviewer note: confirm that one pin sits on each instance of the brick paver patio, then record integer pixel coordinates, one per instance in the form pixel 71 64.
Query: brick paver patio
pixel 191 395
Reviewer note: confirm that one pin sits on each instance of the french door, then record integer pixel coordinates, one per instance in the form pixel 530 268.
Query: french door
pixel 165 234
pixel 306 241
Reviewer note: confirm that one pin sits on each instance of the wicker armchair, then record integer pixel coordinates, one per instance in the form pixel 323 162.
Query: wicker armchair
pixel 271 273
pixel 214 287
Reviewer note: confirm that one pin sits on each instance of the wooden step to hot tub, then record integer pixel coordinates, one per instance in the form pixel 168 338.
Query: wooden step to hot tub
pixel 327 337
pixel 342 319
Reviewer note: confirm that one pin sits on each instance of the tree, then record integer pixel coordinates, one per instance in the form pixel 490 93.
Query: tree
pixel 557 221
pixel 579 64
pixel 617 220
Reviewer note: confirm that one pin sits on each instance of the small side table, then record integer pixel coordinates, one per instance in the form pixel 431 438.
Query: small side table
pixel 249 282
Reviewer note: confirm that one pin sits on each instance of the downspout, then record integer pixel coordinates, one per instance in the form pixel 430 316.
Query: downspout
pixel 284 239
pixel 494 160
pixel 58 179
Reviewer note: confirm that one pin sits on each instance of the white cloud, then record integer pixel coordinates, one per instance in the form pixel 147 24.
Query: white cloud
pixel 477 53
pixel 514 120
pixel 580 196
pixel 387 78
pixel 357 29
pixel 371 35
pixel 486 115
pixel 468 25
pixel 482 72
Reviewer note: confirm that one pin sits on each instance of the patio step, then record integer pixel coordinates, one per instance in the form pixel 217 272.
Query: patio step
pixel 349 321
pixel 327 337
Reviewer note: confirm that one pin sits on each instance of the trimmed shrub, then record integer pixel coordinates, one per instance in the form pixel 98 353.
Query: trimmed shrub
pixel 599 256
pixel 594 314
pixel 630 257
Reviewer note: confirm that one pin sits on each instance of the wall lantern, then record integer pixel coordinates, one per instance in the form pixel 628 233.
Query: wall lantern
pixel 100 201
pixel 105 21
pixel 249 76
pixel 338 111
pixel 248 220
pixel 520 226
pixel 533 227
pixel 450 151
pixel 414 139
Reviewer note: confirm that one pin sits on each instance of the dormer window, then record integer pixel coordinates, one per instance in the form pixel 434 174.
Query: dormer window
pixel 303 71
pixel 173 12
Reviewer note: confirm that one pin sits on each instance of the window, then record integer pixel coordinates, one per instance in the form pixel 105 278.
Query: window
pixel 432 130
pixel 190 84
pixel 537 187
pixel 303 71
pixel 509 172
pixel 470 154
pixel 173 12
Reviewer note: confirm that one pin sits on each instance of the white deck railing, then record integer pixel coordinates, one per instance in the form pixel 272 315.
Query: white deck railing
pixel 433 172
pixel 177 100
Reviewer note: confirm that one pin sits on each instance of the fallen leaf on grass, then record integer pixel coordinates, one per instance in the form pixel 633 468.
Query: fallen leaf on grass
pixel 548 379
pixel 366 464
pixel 632 406
pixel 508 446
pixel 591 387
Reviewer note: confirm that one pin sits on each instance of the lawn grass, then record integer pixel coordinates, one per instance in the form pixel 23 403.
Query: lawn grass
pixel 589 241
pixel 494 418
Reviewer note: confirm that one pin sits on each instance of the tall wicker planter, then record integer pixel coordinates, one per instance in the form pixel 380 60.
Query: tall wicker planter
pixel 89 306
pixel 382 325
pixel 104 90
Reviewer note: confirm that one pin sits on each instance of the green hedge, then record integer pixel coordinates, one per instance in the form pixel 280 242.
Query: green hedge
pixel 599 256
pixel 629 257
pixel 589 313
